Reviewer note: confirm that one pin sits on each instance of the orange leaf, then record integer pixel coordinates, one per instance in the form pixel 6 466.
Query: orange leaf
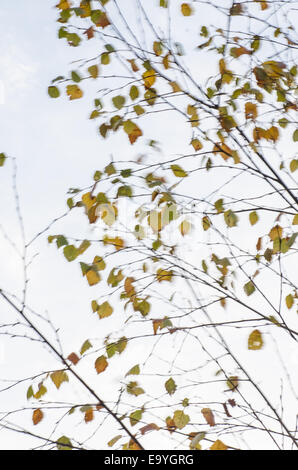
pixel 37 416
pixel 101 364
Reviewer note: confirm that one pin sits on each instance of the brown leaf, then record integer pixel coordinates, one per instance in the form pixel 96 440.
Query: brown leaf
pixel 73 358
pixel 37 416
pixel 208 415
pixel 89 32
pixel 149 427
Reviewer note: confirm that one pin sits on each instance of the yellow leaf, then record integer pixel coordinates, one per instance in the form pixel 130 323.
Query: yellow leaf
pixel 149 78
pixel 63 5
pixel 175 87
pixel 59 377
pixel 197 144
pixel 104 310
pixel 92 277
pixel 185 227
pixel 233 383
pixel 255 340
pixel 157 48
pixel 206 222
pixel 74 92
pixel 88 200
pixel 251 111
pixel 114 440
pixel 253 217
pixel 166 61
pixel 186 9
pixel 93 70
pixel 275 232
pixel 88 415
pixel 218 445
pixel 37 416
pixel 101 364
pixel 117 242
pixel 289 301
pixel 163 275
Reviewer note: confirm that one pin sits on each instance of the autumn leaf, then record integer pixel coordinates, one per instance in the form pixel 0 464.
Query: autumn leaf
pixel 86 345
pixel 186 9
pixel 64 443
pixel 149 78
pixel 208 415
pixel 59 377
pixel 104 310
pixel 73 358
pixel 74 92
pixel 93 277
pixel 37 416
pixel 114 440
pixel 170 386
pixel 149 427
pixel 180 419
pixel 101 364
pixel 89 415
pixel 163 275
pixel 89 32
pixel 218 445
pixel 255 340
pixel 132 130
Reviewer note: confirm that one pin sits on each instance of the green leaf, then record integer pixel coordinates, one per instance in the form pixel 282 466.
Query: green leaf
pixel 75 76
pixel 133 389
pixel 105 58
pixel 135 370
pixel 231 218
pixel 134 93
pixel 249 288
pixel 53 92
pixel 135 417
pixel 70 252
pixel 86 345
pixel 64 443
pixel 170 386
pixel 180 419
pixel 2 159
pixel 30 393
pixel 118 101
pixel 124 191
pixel 295 135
